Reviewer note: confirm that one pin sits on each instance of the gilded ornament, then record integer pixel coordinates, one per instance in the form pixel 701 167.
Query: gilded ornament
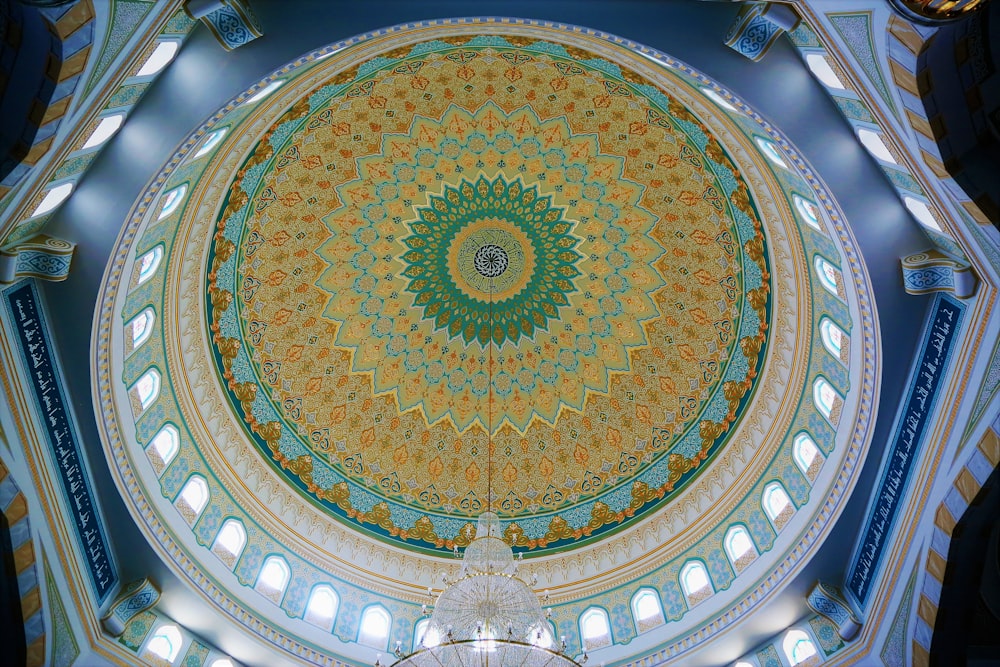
pixel 365 313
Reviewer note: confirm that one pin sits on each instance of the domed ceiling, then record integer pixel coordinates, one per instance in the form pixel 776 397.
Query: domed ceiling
pixel 462 256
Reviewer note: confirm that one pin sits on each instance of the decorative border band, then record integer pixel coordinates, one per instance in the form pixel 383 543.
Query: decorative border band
pixel 22 305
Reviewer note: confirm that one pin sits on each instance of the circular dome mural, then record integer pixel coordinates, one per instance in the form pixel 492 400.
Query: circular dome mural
pixel 348 301
pixel 312 298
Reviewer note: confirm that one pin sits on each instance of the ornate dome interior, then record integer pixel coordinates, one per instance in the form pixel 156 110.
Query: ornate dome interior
pixel 381 272
pixel 444 229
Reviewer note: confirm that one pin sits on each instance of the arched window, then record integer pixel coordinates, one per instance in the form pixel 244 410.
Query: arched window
pixel 739 547
pixel 229 542
pixel 273 578
pixel 138 330
pixel 374 629
pixel 647 610
pixel 148 264
pixel 595 628
pixel 821 68
pixel 829 277
pixel 104 130
pixel 193 498
pixel 799 649
pixel 52 198
pixel 425 635
pixel 834 339
pixel 827 400
pixel 159 58
pixel 770 150
pixel 807 456
pixel 172 200
pixel 162 448
pixel 165 643
pixel 211 141
pixel 695 582
pixel 265 91
pixel 322 607
pixel 777 505
pixel 808 212
pixel 873 142
pixel 145 390
pixel 922 213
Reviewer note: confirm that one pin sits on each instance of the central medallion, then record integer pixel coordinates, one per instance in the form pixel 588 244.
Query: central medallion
pixel 490 261
pixel 491 242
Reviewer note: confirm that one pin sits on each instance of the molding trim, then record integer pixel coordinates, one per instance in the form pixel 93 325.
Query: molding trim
pixel 42 256
pixel 826 601
pixel 758 26
pixel 53 416
pixel 915 414
pixel 135 598
pixel 933 271
pixel 232 22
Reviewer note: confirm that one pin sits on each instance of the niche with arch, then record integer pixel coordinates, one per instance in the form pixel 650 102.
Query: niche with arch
pixel 647 610
pixel 273 578
pixel 229 542
pixel 162 449
pixel 777 505
pixel 595 629
pixel 192 499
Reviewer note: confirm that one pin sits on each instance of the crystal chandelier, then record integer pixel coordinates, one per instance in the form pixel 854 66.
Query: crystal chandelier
pixel 488 616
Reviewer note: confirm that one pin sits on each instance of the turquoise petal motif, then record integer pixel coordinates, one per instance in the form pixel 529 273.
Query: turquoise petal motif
pixel 535 284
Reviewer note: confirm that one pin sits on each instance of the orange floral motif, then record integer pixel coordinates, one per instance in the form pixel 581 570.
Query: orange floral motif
pixel 338 413
pixel 667 160
pixel 401 455
pixel 699 316
pixel 509 474
pixel 472 473
pixel 291 199
pixel 643 415
pixel 546 468
pixel 704 277
pixel 311 161
pixel 689 198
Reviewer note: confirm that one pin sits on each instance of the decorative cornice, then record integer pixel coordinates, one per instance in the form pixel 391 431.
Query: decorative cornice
pixel 43 257
pixel 933 271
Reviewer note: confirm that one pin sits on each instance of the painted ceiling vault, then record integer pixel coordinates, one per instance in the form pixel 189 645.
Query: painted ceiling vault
pixel 643 266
